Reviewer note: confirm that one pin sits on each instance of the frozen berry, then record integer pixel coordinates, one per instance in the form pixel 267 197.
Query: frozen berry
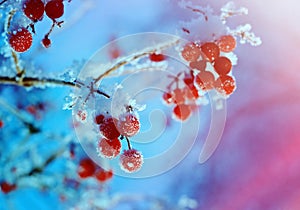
pixel 109 148
pixel 199 65
pixel 191 52
pixel 225 85
pixel 205 80
pixel 99 119
pixel 20 41
pixel 156 57
pixel 108 128
pixel 34 9
pixel 131 160
pixel 222 65
pixel 182 111
pixel 210 50
pixel 86 168
pixel 128 125
pixel 178 96
pixel 167 98
pixel 226 43
pixel 54 9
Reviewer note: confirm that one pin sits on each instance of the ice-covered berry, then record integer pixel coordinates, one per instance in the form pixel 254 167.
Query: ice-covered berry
pixel 54 9
pixel 191 52
pixel 86 168
pixel 128 125
pixel 227 43
pixel 46 42
pixel 210 50
pixel 182 111
pixel 108 128
pixel 156 57
pixel 21 40
pixel 34 9
pixel 222 65
pixel 198 65
pixel 131 160
pixel 167 97
pixel 205 80
pixel 109 148
pixel 225 85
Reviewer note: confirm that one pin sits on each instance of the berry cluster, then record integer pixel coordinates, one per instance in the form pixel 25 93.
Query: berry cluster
pixel 187 87
pixel 87 168
pixel 113 131
pixel 21 38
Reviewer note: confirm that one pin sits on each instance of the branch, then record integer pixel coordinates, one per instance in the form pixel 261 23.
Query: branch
pixel 2 2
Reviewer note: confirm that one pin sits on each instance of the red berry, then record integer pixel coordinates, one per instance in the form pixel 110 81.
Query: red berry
pixel 191 92
pixel 46 42
pixel 1 123
pixel 7 187
pixel 108 128
pixel 99 119
pixel 210 50
pixel 205 80
pixel 102 175
pixel 156 57
pixel 109 148
pixel 54 9
pixel 178 96
pixel 167 97
pixel 227 43
pixel 199 65
pixel 131 160
pixel 222 65
pixel 20 41
pixel 189 78
pixel 182 111
pixel 86 168
pixel 225 85
pixel 191 52
pixel 128 125
pixel 34 9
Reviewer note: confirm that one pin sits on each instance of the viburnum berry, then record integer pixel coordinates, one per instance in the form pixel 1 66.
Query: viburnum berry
pixel 108 128
pixel 20 41
pixel 178 96
pixel 7 187
pixel 182 111
pixel 46 42
pixel 205 80
pixel 34 9
pixel 54 9
pixel 199 65
pixel 128 125
pixel 167 97
pixel 131 160
pixel 222 65
pixel 210 50
pixel 103 176
pixel 156 57
pixel 191 52
pixel 99 119
pixel 86 168
pixel 227 43
pixel 109 148
pixel 225 85
pixel 1 123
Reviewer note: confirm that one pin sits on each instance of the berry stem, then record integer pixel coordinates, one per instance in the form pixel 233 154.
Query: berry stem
pixel 128 142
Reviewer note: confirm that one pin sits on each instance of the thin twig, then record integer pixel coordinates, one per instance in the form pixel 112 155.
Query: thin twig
pixel 128 142
pixel 2 2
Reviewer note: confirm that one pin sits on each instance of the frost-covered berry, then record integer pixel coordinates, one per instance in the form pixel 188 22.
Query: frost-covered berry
pixel 34 9
pixel 86 168
pixel 131 160
pixel 210 50
pixel 128 125
pixel 227 43
pixel 20 41
pixel 205 80
pixel 225 85
pixel 167 97
pixel 109 148
pixel 156 57
pixel 99 119
pixel 182 111
pixel 222 65
pixel 191 52
pixel 103 176
pixel 54 9
pixel 108 128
